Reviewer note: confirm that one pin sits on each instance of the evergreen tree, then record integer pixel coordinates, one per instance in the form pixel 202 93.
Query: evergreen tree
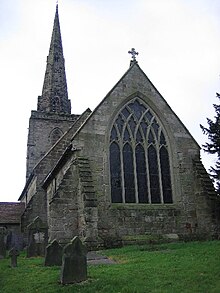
pixel 213 146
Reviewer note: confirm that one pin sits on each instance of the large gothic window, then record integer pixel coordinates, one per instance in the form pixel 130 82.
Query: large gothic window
pixel 139 157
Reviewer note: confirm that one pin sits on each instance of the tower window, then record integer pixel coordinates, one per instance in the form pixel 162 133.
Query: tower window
pixel 139 157
pixel 55 134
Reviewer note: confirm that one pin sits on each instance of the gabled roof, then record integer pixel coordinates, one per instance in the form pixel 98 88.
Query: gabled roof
pixel 10 212
pixel 133 70
pixel 133 65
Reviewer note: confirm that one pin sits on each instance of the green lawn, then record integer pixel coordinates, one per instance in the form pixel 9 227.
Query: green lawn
pixel 172 268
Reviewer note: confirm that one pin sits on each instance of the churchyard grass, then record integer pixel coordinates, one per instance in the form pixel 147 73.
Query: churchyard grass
pixel 163 268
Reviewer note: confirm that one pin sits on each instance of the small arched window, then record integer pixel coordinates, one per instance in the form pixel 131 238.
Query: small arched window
pixel 139 157
pixel 55 134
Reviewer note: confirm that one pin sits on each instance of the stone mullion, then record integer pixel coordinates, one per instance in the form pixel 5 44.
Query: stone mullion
pixel 159 166
pixel 147 164
pixel 122 169
pixel 159 171
pixel 135 171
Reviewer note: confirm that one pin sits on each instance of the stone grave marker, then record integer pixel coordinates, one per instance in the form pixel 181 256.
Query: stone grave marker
pixel 74 263
pixel 37 238
pixel 53 255
pixel 13 253
pixel 3 233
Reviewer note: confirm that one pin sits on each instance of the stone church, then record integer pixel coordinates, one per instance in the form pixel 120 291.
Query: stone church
pixel 128 168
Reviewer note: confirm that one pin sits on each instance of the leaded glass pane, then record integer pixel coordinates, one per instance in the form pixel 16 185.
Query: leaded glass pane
pixel 154 175
pixel 136 133
pixel 115 169
pixel 148 116
pixel 137 108
pixel 126 135
pixel 162 139
pixel 150 137
pixel 141 174
pixel 144 127
pixel 155 127
pixel 125 112
pixel 132 125
pixel 166 180
pixel 113 134
pixel 128 174
pixel 139 137
pixel 119 122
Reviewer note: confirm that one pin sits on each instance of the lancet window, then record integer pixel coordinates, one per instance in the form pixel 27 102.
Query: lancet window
pixel 55 134
pixel 139 157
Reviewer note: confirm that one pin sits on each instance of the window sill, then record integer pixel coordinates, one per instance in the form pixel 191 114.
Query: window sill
pixel 140 206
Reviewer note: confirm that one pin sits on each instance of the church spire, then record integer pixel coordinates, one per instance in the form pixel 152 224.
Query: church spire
pixel 54 96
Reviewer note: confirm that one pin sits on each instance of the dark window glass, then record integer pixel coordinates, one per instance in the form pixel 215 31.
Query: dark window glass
pixel 148 116
pixel 162 139
pixel 166 180
pixel 139 137
pixel 115 169
pixel 113 134
pixel 136 126
pixel 150 137
pixel 126 135
pixel 144 126
pixel 132 125
pixel 125 112
pixel 120 123
pixel 155 127
pixel 154 175
pixel 128 174
pixel 141 174
pixel 137 109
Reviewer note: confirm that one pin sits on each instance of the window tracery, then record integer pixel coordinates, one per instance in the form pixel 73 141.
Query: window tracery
pixel 139 157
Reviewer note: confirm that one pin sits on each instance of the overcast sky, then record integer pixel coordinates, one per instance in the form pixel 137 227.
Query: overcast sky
pixel 179 50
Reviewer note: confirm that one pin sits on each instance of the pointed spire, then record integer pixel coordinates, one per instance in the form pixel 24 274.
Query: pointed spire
pixel 54 94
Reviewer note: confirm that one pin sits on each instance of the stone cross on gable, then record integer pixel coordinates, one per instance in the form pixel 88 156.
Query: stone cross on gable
pixel 133 54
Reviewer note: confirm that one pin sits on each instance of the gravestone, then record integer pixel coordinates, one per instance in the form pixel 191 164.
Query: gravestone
pixel 74 263
pixel 37 238
pixel 13 253
pixel 53 255
pixel 3 233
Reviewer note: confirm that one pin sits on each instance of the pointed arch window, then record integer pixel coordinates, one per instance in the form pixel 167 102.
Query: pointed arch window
pixel 139 157
pixel 55 134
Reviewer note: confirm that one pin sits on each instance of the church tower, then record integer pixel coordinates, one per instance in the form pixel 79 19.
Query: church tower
pixel 54 95
pixel 53 116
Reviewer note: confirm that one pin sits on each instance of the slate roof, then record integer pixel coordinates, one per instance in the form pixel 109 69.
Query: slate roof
pixel 10 212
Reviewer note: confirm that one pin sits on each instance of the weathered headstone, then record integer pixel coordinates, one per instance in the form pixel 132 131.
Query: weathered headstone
pixel 3 233
pixel 53 255
pixel 74 263
pixel 37 238
pixel 13 253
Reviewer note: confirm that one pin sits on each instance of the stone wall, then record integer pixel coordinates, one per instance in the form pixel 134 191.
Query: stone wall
pixel 83 196
pixel 14 237
pixel 93 142
pixel 72 206
pixel 40 138
pixel 34 195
